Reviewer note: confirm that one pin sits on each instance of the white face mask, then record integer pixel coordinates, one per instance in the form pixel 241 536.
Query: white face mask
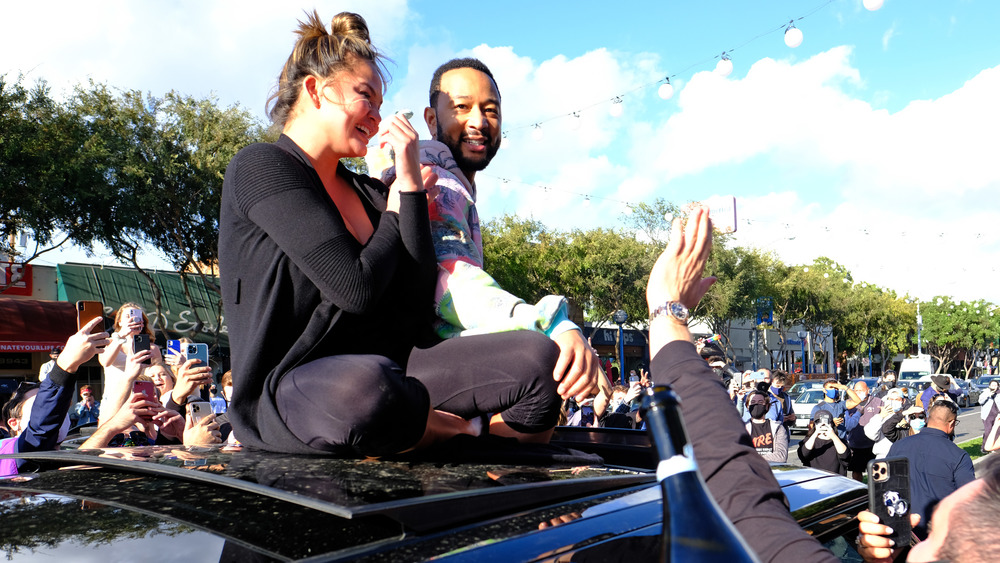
pixel 862 395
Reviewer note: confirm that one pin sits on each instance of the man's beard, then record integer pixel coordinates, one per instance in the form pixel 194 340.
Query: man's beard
pixel 465 164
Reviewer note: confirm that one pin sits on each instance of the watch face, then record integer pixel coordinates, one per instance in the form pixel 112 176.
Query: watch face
pixel 678 311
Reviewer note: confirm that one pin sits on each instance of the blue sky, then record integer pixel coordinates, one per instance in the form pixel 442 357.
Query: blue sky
pixel 873 143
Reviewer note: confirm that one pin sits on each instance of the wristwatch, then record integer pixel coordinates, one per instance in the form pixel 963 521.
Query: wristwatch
pixel 673 309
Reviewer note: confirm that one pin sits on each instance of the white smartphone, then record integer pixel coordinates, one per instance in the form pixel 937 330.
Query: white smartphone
pixel 198 410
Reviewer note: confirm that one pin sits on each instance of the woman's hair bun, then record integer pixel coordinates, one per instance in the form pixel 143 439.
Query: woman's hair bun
pixel 347 24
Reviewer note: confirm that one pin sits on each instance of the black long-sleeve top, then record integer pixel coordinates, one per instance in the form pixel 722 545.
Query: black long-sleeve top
pixel 738 478
pixel 297 285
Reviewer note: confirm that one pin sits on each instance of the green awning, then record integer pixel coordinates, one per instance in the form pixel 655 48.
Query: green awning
pixel 115 286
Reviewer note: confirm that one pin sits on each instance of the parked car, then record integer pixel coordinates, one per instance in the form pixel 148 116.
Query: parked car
pixel 803 406
pixel 982 382
pixel 801 386
pixel 965 397
pixel 915 368
pixel 871 382
pixel 464 504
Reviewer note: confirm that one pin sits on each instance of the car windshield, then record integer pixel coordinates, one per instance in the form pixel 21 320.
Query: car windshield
pixel 912 374
pixel 810 396
pixel 985 380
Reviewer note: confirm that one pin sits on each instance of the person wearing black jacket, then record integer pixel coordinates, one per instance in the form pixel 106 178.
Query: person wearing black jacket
pixel 738 478
pixel 328 280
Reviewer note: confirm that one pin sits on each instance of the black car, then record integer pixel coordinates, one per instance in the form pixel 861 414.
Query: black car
pixel 473 500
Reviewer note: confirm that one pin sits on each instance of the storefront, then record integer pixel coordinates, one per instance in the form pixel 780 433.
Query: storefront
pixel 605 342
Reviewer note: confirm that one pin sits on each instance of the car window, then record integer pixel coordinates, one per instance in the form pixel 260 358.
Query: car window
pixel 810 396
pixel 843 547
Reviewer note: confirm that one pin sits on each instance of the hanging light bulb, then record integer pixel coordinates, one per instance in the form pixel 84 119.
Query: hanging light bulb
pixel 872 5
pixel 617 108
pixel 505 140
pixel 793 36
pixel 725 66
pixel 575 121
pixel 586 201
pixel 806 269
pixel 627 209
pixel 536 132
pixel 666 90
pixel 668 217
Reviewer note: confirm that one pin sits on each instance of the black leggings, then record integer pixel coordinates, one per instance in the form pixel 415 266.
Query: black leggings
pixel 366 404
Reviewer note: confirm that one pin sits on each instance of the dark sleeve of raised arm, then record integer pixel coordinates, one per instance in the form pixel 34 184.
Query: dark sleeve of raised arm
pixel 278 194
pixel 415 230
pixel 739 479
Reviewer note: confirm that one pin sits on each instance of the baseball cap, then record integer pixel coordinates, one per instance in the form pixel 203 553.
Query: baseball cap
pixel 823 416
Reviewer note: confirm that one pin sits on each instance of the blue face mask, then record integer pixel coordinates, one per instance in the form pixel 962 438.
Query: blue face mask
pixel 774 390
pixel 832 393
pixel 917 423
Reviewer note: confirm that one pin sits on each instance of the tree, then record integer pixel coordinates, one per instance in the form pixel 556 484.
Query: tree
pixel 46 190
pixel 162 162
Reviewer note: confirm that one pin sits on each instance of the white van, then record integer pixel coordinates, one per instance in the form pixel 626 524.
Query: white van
pixel 915 368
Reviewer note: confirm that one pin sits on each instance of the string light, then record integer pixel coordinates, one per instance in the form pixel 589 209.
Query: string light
pixel 617 108
pixel 793 35
pixel 666 90
pixel 725 66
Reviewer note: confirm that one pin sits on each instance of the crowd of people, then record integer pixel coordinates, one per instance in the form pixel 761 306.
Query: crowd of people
pixel 376 330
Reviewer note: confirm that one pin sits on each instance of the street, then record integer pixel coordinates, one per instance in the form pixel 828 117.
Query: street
pixel 970 427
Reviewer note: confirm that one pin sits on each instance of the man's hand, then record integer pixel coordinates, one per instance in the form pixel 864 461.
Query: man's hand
pixel 577 367
pixel 190 376
pixel 838 421
pixel 81 347
pixel 202 433
pixel 676 276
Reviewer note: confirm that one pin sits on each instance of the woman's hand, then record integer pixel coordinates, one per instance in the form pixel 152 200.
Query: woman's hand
pixel 873 545
pixel 134 365
pixel 171 423
pixel 202 433
pixel 410 175
pixel 189 378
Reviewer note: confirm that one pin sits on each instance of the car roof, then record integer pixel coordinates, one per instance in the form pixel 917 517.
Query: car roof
pixel 285 506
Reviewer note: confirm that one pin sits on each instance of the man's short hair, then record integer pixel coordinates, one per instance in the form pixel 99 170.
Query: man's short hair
pixel 779 376
pixel 474 64
pixel 15 406
pixel 973 527
pixel 942 412
pixel 829 382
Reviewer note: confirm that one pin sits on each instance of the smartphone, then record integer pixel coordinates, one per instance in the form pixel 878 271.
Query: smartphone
pixel 135 316
pixel 173 353
pixel 722 211
pixel 633 379
pixel 145 387
pixel 889 495
pixel 198 351
pixel 140 342
pixel 198 410
pixel 87 311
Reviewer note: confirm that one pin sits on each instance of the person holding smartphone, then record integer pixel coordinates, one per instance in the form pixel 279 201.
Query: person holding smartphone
pixel 37 415
pixel 129 321
pixel 822 447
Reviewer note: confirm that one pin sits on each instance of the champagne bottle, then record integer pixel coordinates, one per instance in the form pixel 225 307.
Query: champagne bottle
pixel 694 527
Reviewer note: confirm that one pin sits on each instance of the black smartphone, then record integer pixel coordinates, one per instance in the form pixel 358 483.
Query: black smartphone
pixel 889 495
pixel 140 342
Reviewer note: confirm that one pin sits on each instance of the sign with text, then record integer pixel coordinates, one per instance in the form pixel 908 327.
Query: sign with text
pixel 17 277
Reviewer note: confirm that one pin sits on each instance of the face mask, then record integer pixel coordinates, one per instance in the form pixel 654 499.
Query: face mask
pixel 890 383
pixel 896 407
pixel 775 390
pixel 917 423
pixel 862 395
pixel 832 393
pixel 758 411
